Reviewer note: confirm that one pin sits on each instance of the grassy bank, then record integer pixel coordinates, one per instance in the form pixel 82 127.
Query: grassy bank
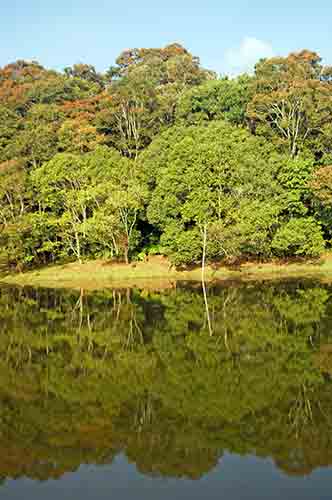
pixel 157 273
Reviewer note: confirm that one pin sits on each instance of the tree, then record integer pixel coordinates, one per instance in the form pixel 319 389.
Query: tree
pixel 294 176
pixel 321 184
pixel 96 199
pixel 84 72
pixel 202 176
pixel 10 125
pixel 65 189
pixel 15 202
pixel 171 64
pixel 36 142
pixel 132 117
pixel 117 219
pixel 78 136
pixel 292 100
pixel 299 236
pixel 216 100
pixel 12 191
pixel 25 83
pixel 144 89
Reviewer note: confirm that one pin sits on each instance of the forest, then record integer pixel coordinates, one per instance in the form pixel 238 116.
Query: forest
pixel 159 155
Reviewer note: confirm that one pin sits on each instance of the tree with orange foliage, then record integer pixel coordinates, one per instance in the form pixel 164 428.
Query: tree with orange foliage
pixel 78 136
pixel 321 184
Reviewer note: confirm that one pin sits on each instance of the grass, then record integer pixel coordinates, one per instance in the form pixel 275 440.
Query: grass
pixel 157 273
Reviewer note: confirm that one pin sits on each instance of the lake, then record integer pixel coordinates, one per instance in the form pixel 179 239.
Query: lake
pixel 170 393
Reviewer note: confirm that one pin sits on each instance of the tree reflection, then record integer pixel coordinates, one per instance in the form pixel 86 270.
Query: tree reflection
pixel 87 375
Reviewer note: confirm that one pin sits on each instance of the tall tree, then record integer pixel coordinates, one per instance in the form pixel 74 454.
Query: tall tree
pixel 292 102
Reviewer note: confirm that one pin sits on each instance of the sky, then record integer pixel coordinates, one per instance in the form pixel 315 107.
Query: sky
pixel 229 37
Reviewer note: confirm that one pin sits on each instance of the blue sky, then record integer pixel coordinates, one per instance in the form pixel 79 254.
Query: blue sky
pixel 228 36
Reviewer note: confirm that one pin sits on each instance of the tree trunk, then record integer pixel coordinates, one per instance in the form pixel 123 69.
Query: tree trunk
pixel 204 250
pixel 126 254
pixel 78 247
pixel 203 280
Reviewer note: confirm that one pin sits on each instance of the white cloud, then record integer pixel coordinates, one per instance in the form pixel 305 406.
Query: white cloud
pixel 243 58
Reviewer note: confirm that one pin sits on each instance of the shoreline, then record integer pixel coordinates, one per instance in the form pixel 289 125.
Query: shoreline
pixel 158 274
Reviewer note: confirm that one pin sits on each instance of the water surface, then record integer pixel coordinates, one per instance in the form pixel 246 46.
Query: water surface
pixel 160 394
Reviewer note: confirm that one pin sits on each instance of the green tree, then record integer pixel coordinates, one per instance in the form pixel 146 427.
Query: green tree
pixel 216 100
pixel 144 89
pixel 292 102
pixel 96 198
pixel 299 236
pixel 203 175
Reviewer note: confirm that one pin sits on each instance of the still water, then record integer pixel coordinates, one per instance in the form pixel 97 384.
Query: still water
pixel 158 394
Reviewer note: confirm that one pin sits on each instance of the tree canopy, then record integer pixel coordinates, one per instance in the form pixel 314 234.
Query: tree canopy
pixel 157 152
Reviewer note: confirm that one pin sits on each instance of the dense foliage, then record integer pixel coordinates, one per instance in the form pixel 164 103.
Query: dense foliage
pixel 159 155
